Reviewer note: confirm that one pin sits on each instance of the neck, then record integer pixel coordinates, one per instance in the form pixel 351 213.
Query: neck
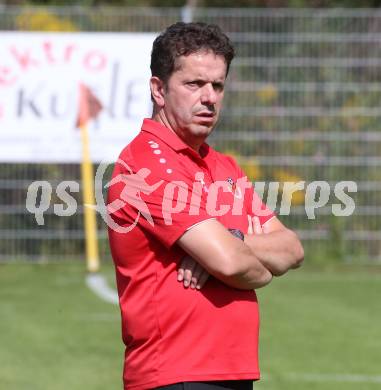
pixel 194 144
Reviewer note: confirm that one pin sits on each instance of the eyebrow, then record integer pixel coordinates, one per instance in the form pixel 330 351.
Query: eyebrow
pixel 198 79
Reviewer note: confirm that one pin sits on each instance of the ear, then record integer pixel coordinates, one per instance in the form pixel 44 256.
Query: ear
pixel 157 90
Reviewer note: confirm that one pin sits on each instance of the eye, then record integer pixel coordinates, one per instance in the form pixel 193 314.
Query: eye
pixel 218 87
pixel 193 84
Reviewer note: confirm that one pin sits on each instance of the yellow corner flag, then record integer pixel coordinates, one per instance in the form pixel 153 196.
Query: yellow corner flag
pixel 89 108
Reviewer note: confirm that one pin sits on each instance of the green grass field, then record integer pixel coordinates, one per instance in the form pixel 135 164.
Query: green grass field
pixel 319 330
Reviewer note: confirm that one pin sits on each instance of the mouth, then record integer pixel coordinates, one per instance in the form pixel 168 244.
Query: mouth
pixel 207 117
pixel 206 114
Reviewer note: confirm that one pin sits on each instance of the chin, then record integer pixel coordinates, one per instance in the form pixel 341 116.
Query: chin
pixel 203 129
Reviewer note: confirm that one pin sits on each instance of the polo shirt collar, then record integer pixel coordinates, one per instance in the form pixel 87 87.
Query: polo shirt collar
pixel 164 134
pixel 176 143
pixel 171 139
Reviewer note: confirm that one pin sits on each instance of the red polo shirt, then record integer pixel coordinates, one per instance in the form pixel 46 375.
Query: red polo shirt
pixel 160 188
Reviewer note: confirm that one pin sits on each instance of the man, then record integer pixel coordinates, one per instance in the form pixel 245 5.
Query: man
pixel 185 281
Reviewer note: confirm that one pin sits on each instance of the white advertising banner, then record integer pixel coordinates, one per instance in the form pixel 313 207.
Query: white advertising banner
pixel 40 74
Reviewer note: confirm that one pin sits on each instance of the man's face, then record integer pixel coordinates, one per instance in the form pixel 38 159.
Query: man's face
pixel 193 95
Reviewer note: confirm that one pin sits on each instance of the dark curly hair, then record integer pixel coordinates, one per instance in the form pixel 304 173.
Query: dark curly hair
pixel 183 39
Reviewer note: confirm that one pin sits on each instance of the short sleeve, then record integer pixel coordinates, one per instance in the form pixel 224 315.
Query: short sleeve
pixel 162 204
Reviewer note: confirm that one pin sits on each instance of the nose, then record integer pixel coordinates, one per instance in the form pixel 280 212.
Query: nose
pixel 208 95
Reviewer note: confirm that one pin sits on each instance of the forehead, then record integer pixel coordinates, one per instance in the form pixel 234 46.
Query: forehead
pixel 202 64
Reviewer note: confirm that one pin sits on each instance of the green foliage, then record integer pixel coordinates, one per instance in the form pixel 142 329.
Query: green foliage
pixel 207 3
pixel 43 20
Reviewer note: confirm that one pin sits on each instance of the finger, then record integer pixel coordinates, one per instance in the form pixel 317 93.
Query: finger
pixel 188 271
pixel 180 274
pixel 185 264
pixel 197 271
pixel 250 225
pixel 202 280
pixel 180 271
pixel 257 226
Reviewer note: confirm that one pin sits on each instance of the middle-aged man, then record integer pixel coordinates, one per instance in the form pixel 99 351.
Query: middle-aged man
pixel 180 212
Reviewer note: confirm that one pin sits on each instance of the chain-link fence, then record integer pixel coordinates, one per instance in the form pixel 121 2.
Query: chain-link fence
pixel 302 104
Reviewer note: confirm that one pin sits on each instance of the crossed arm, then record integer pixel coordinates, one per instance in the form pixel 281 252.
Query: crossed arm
pixel 277 247
pixel 267 251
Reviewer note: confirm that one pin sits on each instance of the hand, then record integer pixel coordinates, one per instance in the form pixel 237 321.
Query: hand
pixel 255 226
pixel 192 274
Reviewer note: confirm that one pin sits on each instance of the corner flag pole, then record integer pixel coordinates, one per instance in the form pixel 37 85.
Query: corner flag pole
pixel 89 108
pixel 90 219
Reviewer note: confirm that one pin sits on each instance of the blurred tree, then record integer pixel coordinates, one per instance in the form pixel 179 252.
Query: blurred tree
pixel 43 21
pixel 205 3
